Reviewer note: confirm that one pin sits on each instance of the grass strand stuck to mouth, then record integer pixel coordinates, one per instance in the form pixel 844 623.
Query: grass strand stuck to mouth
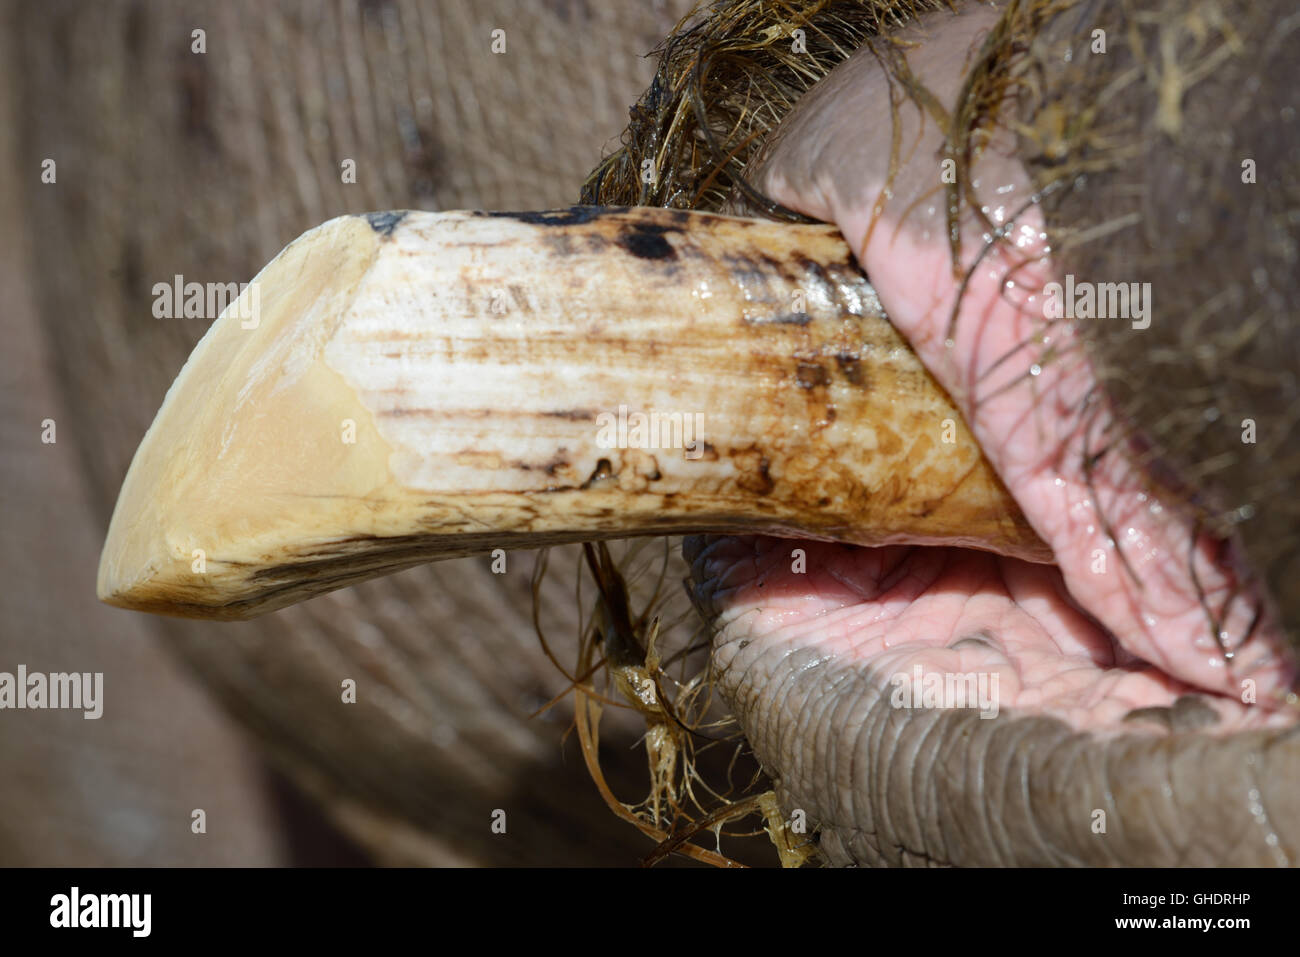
pixel 653 658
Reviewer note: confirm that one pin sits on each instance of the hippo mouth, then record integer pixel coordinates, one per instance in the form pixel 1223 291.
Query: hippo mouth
pixel 1131 703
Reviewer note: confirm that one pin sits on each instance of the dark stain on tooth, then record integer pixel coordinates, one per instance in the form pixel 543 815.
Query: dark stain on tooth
pixel 384 223
pixel 748 275
pixel 812 375
pixel 754 468
pixel 603 472
pixel 707 453
pixel 646 241
pixel 561 244
pixel 815 274
pixel 557 462
pixel 782 268
pixel 792 319
pixel 573 415
pixel 851 368
pixel 815 379
pixel 520 296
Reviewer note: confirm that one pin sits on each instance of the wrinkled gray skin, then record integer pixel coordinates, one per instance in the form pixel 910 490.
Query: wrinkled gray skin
pixel 169 162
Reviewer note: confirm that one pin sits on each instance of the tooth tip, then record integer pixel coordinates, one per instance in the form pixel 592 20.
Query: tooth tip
pixel 202 488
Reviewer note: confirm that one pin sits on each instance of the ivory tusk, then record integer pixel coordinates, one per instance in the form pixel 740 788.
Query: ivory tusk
pixel 402 387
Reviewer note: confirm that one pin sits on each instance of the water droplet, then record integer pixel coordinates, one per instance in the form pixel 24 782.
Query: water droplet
pixel 1035 369
pixel 1059 482
pixel 1149 620
pixel 950 343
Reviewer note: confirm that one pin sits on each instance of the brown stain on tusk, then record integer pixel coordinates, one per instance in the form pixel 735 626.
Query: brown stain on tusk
pixel 420 386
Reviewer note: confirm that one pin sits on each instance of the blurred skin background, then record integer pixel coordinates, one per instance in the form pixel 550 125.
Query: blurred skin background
pixel 170 161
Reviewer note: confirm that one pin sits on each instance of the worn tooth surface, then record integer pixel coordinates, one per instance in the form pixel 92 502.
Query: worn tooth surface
pixel 424 385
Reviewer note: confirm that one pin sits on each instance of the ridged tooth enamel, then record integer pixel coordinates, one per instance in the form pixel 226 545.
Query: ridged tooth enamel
pixel 424 385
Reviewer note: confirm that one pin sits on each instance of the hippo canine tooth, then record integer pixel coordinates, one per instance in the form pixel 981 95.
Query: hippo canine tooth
pixel 414 386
